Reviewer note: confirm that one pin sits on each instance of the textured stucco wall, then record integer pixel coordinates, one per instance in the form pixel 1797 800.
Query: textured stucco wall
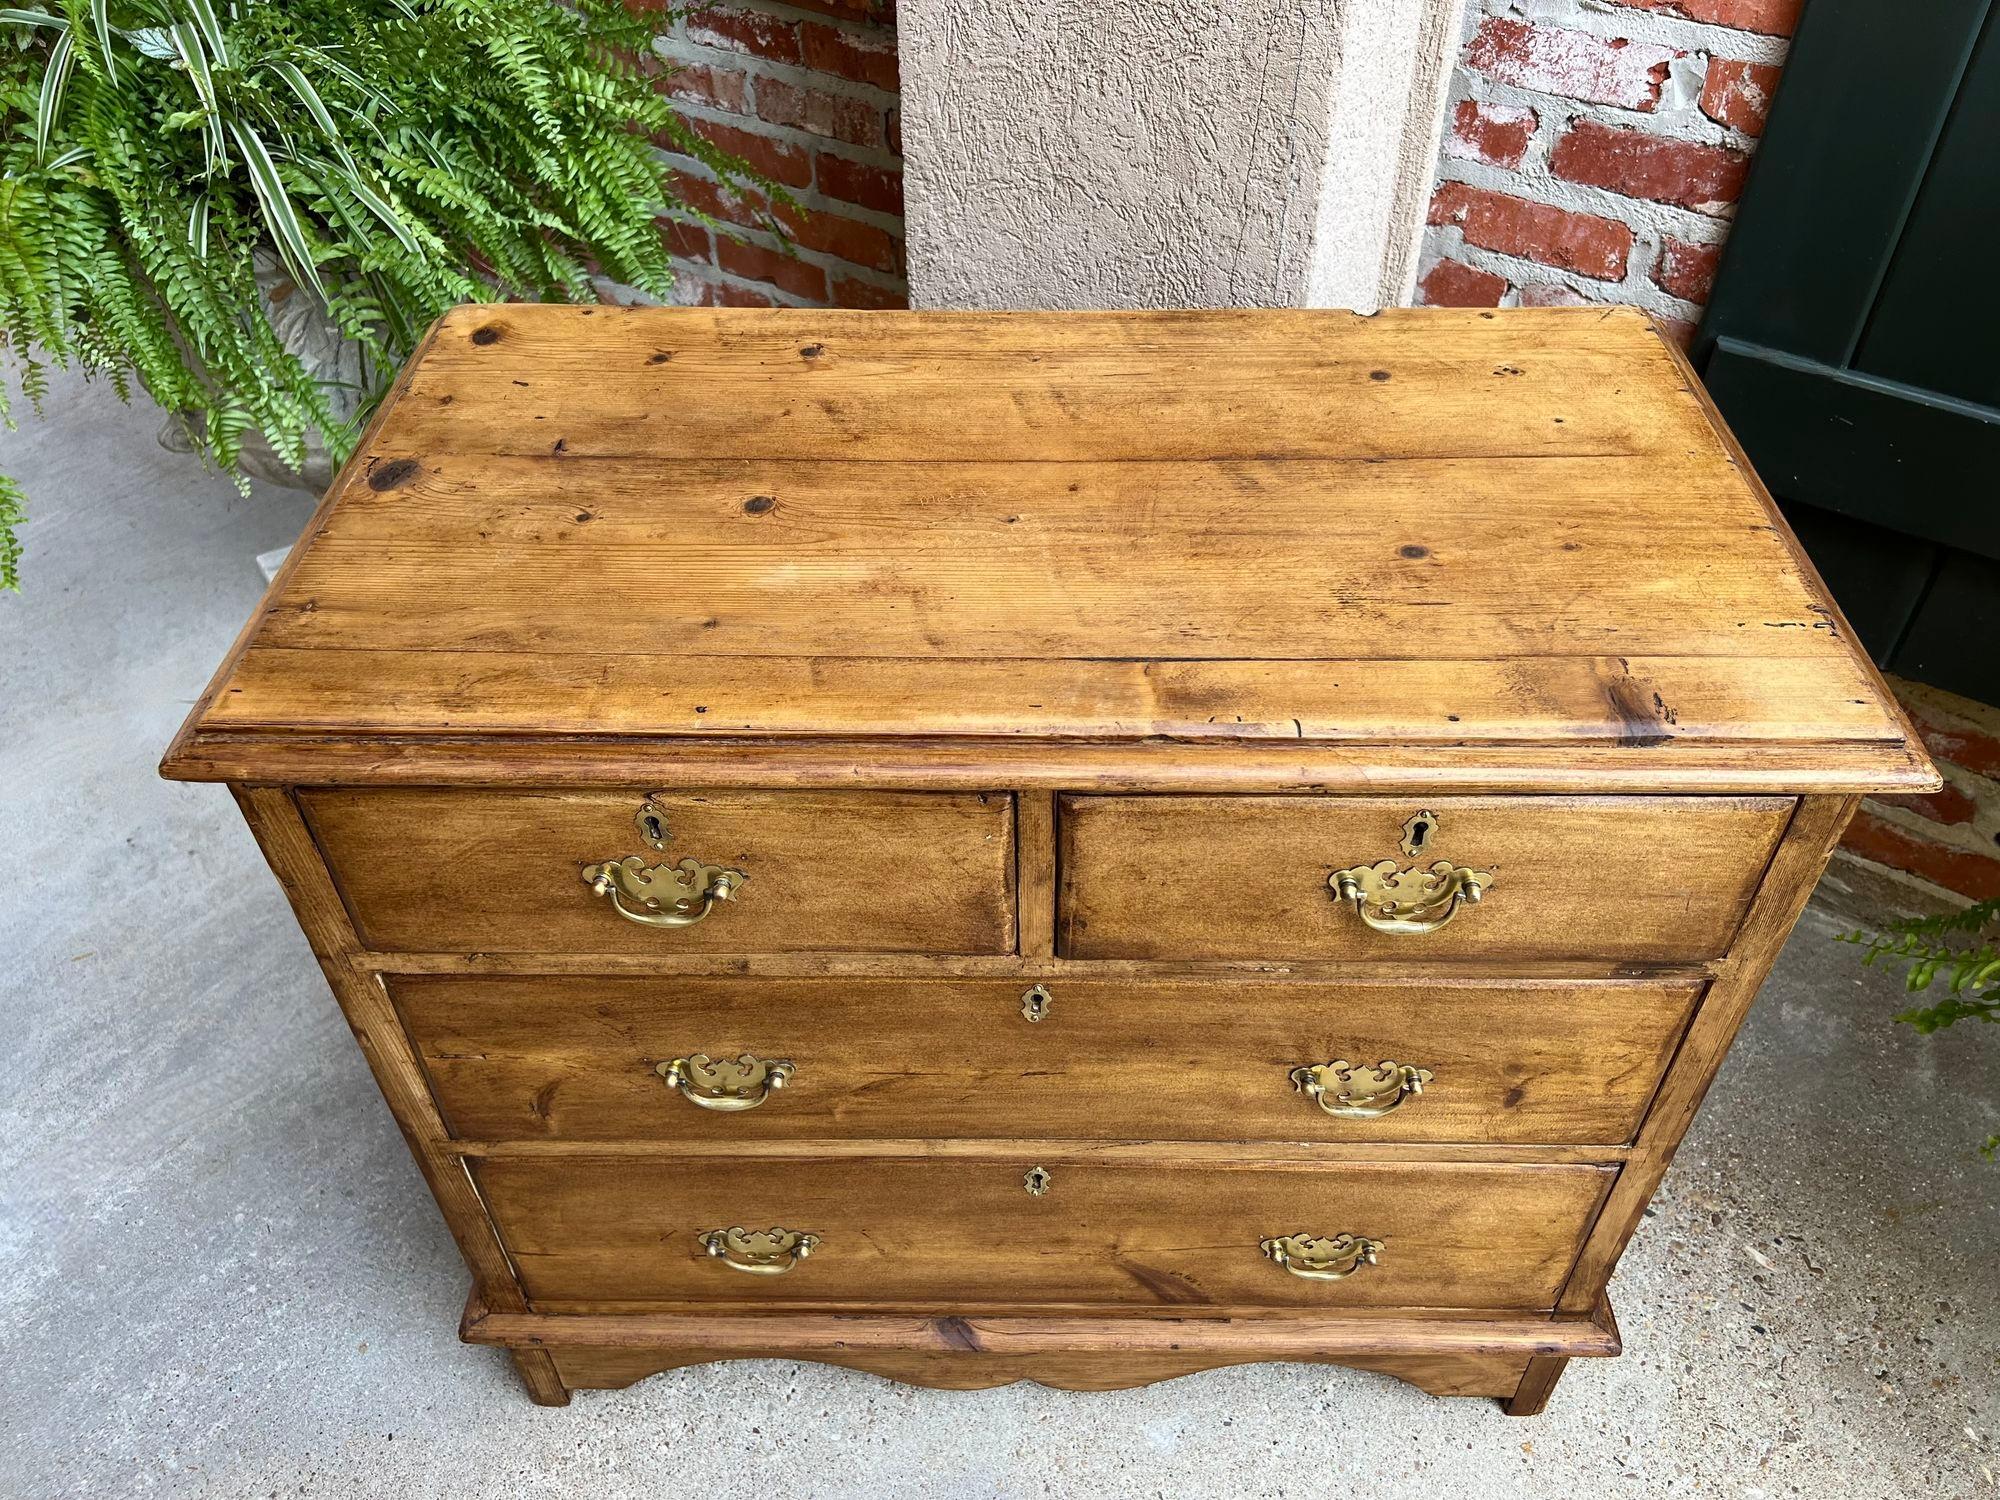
pixel 1161 153
pixel 1388 97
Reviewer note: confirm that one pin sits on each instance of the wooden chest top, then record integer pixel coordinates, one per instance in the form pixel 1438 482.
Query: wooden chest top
pixel 1434 547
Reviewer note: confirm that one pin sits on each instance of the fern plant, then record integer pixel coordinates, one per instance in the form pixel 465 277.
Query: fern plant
pixel 1961 949
pixel 397 156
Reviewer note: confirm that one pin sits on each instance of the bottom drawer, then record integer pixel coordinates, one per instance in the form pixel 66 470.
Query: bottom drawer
pixel 604 1234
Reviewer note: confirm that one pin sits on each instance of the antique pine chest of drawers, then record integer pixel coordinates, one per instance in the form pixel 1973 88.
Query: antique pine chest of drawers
pixel 1077 848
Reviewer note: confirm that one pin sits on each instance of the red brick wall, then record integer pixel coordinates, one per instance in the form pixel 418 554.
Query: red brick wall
pixel 1944 844
pixel 807 93
pixel 1594 150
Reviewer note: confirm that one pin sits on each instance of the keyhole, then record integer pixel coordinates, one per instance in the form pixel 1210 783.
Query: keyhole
pixel 652 824
pixel 1036 1182
pixel 1418 831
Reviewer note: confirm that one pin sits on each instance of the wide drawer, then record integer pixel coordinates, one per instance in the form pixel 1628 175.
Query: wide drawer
pixel 579 1058
pixel 1656 879
pixel 501 872
pixel 600 1233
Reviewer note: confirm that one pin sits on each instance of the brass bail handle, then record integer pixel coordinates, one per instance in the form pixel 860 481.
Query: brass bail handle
pixel 1392 898
pixel 758 1252
pixel 727 1083
pixel 1332 1259
pixel 1355 1091
pixel 662 895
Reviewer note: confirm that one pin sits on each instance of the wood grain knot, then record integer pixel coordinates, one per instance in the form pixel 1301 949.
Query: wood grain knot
pixel 396 473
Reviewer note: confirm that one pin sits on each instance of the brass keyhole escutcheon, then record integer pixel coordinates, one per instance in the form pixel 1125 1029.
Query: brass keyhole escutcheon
pixel 1035 1003
pixel 652 824
pixel 1418 831
pixel 1036 1182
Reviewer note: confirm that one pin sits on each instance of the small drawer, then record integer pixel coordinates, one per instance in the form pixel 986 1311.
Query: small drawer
pixel 505 872
pixel 609 1233
pixel 722 1059
pixel 1651 879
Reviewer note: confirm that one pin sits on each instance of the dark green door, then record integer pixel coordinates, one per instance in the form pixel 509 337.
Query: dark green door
pixel 1853 340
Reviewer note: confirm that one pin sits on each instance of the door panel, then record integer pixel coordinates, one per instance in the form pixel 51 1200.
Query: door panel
pixel 1850 341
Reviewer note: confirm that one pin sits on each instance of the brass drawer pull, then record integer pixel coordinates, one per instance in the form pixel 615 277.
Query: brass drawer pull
pixel 759 1252
pixel 727 1083
pixel 1390 898
pixel 1332 1259
pixel 1355 1091
pixel 662 895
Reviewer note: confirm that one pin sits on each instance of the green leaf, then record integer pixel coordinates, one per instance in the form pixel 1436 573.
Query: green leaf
pixel 13 511
pixel 211 30
pixel 188 47
pixel 55 80
pixel 279 215
pixel 100 17
pixel 398 157
pixel 315 106
pixel 197 231
pixel 377 205
pixel 154 42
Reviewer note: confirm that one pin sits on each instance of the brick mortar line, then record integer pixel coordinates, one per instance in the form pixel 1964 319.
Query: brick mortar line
pixel 852 25
pixel 765 240
pixel 809 198
pixel 714 275
pixel 677 46
pixel 1966 838
pixel 1942 896
pixel 1636 289
pixel 1641 215
pixel 1688 125
pixel 791 135
pixel 1636 285
pixel 1622 23
pixel 1983 790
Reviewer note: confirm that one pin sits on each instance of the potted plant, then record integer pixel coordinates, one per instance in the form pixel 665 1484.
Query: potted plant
pixel 1962 950
pixel 253 208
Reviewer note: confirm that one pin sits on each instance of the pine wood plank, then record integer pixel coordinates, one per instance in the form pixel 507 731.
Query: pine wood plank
pixel 501 872
pixel 1443 1351
pixel 590 1232
pixel 576 1059
pixel 974 764
pixel 1659 880
pixel 1633 703
pixel 692 383
pixel 1254 560
pixel 1424 528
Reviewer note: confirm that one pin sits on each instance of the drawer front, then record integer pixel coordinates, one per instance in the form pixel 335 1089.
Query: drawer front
pixel 501 872
pixel 1211 1060
pixel 1657 879
pixel 604 1233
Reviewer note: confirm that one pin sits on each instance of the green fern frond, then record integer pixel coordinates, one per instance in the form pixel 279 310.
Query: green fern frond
pixel 400 156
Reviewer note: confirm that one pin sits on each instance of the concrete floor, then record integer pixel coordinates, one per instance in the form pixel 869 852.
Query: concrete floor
pixel 220 1273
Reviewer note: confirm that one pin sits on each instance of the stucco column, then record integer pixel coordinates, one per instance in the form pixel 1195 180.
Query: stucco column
pixel 1169 153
